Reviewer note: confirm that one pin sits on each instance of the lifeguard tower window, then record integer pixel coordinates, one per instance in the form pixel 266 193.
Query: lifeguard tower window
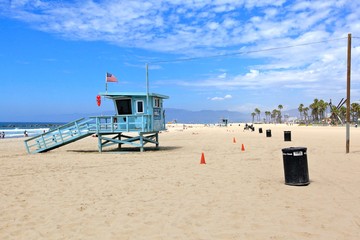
pixel 123 106
pixel 139 106
pixel 157 102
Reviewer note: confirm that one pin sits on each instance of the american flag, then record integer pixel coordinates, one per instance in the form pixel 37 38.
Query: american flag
pixel 110 78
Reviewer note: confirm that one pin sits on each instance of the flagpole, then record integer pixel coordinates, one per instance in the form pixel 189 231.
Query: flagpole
pixel 147 88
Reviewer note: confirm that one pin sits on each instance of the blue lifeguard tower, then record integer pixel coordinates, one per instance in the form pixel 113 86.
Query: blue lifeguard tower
pixel 137 120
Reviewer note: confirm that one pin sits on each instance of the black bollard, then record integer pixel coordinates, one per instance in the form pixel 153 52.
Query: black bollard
pixel 287 136
pixel 268 133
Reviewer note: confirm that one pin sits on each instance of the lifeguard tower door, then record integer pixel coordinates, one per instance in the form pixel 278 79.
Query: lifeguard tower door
pixel 158 113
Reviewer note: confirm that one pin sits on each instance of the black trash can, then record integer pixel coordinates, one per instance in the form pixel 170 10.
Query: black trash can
pixel 287 136
pixel 260 130
pixel 296 166
pixel 268 133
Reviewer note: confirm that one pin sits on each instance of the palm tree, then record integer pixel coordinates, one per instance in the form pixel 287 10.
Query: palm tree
pixel 267 114
pixel 253 116
pixel 279 113
pixel 301 109
pixel 276 115
pixel 335 115
pixel 315 109
pixel 355 111
pixel 273 116
pixel 257 111
pixel 322 106
pixel 342 113
pixel 306 115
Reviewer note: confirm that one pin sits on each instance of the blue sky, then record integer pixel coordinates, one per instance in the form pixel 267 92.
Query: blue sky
pixel 54 54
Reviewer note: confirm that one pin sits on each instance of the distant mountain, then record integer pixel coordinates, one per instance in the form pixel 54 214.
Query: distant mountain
pixel 204 116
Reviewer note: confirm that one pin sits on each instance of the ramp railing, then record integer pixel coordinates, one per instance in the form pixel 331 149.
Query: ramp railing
pixel 84 127
pixel 60 136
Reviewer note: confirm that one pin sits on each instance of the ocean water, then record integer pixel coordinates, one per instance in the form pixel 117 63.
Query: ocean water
pixel 17 129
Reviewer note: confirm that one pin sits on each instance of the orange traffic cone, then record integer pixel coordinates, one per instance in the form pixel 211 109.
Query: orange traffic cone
pixel 202 161
pixel 242 147
pixel 234 140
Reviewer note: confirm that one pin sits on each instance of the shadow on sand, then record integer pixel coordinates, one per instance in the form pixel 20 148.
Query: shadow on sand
pixel 129 150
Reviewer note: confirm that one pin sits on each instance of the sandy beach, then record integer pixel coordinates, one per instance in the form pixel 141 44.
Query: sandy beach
pixel 75 192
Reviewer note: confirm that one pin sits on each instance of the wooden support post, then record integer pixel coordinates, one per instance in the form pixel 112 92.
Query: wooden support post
pixel 119 145
pixel 348 95
pixel 157 139
pixel 99 142
pixel 141 143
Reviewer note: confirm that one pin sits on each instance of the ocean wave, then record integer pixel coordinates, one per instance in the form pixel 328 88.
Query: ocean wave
pixel 17 129
pixel 18 132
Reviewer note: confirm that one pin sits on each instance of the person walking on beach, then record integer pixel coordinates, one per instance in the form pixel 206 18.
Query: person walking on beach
pixel 25 133
pixel 2 135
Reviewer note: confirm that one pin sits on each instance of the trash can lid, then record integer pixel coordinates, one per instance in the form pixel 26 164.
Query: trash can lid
pixel 294 149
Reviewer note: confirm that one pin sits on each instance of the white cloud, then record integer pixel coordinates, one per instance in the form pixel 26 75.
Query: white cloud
pixel 213 25
pixel 216 98
pixel 228 96
pixel 229 23
pixel 252 74
pixel 150 24
pixel 222 76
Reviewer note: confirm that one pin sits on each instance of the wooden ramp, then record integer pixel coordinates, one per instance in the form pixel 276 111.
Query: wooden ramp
pixel 61 136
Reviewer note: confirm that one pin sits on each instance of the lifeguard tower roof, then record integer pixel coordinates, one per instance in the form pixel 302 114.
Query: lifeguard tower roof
pixel 132 94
